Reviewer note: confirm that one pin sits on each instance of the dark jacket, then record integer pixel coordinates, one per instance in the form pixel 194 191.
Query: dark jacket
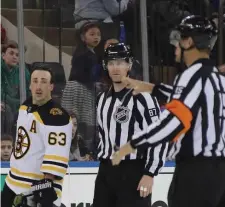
pixel 85 68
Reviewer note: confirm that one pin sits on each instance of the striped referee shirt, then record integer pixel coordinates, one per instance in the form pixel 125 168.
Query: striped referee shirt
pixel 119 116
pixel 194 118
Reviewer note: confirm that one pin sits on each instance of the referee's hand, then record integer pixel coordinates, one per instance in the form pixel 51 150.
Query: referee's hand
pixel 137 86
pixel 145 185
pixel 122 152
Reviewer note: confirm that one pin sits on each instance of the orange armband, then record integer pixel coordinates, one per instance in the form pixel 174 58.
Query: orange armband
pixel 183 113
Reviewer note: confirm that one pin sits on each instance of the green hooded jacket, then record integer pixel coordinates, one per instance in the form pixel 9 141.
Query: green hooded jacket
pixel 10 85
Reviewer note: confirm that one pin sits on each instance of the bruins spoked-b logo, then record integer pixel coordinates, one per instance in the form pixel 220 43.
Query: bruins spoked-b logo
pixel 22 144
pixel 121 114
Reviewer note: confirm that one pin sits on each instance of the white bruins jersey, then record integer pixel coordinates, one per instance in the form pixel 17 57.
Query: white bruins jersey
pixel 42 145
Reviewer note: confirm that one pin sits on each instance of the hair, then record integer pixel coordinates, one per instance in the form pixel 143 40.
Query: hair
pixel 87 26
pixel 44 67
pixel 9 44
pixel 6 137
pixel 81 47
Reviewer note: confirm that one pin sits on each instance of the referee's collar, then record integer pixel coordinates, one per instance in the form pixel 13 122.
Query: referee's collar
pixel 120 94
pixel 205 61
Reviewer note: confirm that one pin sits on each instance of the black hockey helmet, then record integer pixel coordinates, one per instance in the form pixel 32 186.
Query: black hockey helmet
pixel 202 30
pixel 117 51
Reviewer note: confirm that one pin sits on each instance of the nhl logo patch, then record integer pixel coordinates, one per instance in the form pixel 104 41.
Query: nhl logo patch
pixel 121 114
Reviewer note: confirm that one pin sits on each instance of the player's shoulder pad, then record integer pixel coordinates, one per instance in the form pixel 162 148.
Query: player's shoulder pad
pixel 54 114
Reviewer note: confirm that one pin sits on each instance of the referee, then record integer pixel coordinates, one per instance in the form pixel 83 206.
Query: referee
pixel 119 116
pixel 193 121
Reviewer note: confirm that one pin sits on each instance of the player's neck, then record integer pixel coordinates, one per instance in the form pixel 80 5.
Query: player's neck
pixel 118 86
pixel 196 55
pixel 42 102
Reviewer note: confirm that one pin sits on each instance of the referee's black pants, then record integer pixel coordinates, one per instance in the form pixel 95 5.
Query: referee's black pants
pixel 198 183
pixel 116 186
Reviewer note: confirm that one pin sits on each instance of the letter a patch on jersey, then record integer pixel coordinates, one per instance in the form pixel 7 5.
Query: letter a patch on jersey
pixel 33 127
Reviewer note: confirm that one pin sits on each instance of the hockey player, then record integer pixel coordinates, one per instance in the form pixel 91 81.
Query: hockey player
pixel 41 152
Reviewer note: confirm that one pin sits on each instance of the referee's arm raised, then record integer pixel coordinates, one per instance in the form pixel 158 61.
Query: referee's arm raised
pixel 161 91
pixel 176 119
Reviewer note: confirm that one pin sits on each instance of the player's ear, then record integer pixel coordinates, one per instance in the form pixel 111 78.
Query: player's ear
pixel 52 87
pixel 188 42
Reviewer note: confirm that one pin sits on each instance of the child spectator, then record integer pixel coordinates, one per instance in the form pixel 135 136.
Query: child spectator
pixel 6 147
pixel 80 93
pixel 84 59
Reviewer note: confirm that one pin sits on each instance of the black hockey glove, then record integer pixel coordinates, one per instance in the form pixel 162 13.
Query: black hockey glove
pixel 44 192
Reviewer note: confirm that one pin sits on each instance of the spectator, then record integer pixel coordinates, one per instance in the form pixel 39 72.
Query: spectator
pixel 84 59
pixel 105 12
pixel 80 92
pixel 81 100
pixel 76 151
pixel 6 147
pixel 10 80
pixel 98 10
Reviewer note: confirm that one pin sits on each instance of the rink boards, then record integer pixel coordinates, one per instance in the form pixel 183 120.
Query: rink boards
pixel 78 186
